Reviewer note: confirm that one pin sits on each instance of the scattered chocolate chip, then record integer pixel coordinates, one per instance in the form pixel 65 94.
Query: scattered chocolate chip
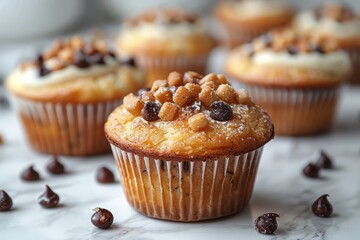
pixel 129 62
pixel 55 166
pixel 104 175
pixel 311 171
pixel 43 71
pixel 324 161
pixel 150 111
pixel 5 201
pixel 97 58
pixel 267 39
pixel 318 49
pixel 141 91
pixel 30 174
pixel 111 54
pixel 292 50
pixel 266 223
pixel 220 111
pixel 322 207
pixel 102 218
pixel 80 60
pixel 48 199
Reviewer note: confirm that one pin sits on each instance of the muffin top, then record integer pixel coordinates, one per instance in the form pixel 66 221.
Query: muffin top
pixel 257 13
pixel 76 71
pixel 165 31
pixel 285 58
pixel 189 117
pixel 331 20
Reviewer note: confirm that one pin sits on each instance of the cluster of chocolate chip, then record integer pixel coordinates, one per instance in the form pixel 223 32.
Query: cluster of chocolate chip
pixel 189 94
pixel 167 16
pixel 289 41
pixel 339 13
pixel 75 51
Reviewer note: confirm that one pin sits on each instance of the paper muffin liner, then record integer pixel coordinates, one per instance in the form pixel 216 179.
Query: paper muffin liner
pixel 187 190
pixel 355 59
pixel 297 111
pixel 159 67
pixel 65 128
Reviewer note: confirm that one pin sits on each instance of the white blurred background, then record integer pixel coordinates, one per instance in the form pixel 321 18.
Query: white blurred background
pixel 26 26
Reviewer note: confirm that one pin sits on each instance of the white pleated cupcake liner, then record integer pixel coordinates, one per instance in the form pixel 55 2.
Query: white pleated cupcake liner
pixel 65 128
pixel 297 111
pixel 159 67
pixel 187 190
pixel 355 59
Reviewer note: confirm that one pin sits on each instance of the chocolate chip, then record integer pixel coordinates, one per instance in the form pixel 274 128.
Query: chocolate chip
pixel 49 199
pixel 40 60
pixel 43 71
pixel 267 39
pixel 150 111
pixel 220 111
pixel 266 223
pixel 311 171
pixel 318 49
pixel 324 161
pixel 55 166
pixel 30 174
pixel 129 62
pixel 102 218
pixel 105 175
pixel 80 60
pixel 97 58
pixel 322 207
pixel 292 50
pixel 5 201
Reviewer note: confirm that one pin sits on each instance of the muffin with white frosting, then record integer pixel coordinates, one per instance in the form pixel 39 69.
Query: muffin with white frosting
pixel 295 78
pixel 243 20
pixel 64 96
pixel 336 22
pixel 166 40
pixel 189 148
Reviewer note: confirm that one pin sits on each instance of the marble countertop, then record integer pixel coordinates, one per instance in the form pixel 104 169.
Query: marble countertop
pixel 280 187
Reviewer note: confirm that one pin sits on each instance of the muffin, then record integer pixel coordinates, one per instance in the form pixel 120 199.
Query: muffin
pixel 64 96
pixel 188 149
pixel 166 40
pixel 336 22
pixel 243 20
pixel 293 77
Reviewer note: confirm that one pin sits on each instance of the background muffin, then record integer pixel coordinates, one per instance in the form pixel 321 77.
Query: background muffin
pixel 64 96
pixel 243 20
pixel 166 40
pixel 293 77
pixel 336 22
pixel 188 149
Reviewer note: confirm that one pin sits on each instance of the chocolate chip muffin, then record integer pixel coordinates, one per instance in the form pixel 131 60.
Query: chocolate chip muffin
pixel 337 22
pixel 189 148
pixel 166 40
pixel 65 95
pixel 294 77
pixel 243 20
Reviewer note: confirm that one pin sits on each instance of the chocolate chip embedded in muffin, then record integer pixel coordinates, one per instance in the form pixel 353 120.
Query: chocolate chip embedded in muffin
pixel 220 111
pixel 150 111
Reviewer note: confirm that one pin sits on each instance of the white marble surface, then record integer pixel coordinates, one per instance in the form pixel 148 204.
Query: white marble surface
pixel 280 188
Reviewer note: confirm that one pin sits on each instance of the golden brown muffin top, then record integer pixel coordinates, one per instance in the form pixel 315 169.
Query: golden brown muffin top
pixel 76 70
pixel 189 116
pixel 165 16
pixel 284 57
